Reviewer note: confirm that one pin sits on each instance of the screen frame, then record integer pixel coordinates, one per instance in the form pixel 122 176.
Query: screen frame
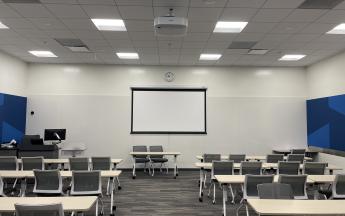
pixel 204 90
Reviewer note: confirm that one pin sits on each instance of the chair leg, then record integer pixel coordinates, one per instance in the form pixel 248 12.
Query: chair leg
pixel 214 194
pixel 205 177
pixel 167 167
pixel 232 194
pixel 97 207
pixel 160 169
pixel 209 190
pixel 153 169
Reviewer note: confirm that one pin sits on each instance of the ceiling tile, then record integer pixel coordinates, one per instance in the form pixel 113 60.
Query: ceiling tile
pixel 204 14
pixel 79 24
pixel 196 36
pixel 333 16
pixel 85 34
pixel 134 2
pixel 249 36
pixel 163 11
pixel 238 14
pixel 190 44
pixel 282 3
pixel 7 12
pixel 98 2
pixel 115 35
pixel 67 11
pixel 145 44
pixel 171 3
pixel 271 15
pixel 201 26
pixel 288 28
pixel 136 12
pixel 101 11
pixel 203 3
pixel 47 23
pixel 304 15
pixel 257 27
pixel 317 28
pixel 150 36
pixel 138 25
pixel 17 23
pixel 31 10
pixel 246 3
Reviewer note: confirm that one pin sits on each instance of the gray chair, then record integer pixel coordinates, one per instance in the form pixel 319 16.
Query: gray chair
pixel 298 184
pixel 209 158
pixel 338 187
pixel 79 163
pixel 274 158
pixel 220 168
pixel 296 157
pixel 251 167
pixel 288 168
pixel 104 163
pixel 39 210
pixel 154 159
pixel 314 168
pixel 31 163
pixel 237 158
pixel 140 159
pixel 48 182
pixel 298 151
pixel 87 183
pixel 2 194
pixel 9 163
pixel 275 191
pixel 250 188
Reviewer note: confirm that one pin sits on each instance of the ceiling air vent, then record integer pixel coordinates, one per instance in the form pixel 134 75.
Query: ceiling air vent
pixel 242 45
pixel 319 4
pixel 75 45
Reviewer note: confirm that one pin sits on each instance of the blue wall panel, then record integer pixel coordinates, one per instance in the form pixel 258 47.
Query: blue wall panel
pixel 326 122
pixel 12 117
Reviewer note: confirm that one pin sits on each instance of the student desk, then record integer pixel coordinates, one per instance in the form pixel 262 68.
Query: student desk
pixel 297 207
pixel 64 174
pixel 69 204
pixel 175 154
pixel 225 180
pixel 248 158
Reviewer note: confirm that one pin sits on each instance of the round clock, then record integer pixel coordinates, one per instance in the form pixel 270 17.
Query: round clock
pixel 169 76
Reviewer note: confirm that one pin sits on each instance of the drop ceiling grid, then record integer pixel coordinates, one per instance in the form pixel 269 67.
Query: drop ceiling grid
pixel 304 34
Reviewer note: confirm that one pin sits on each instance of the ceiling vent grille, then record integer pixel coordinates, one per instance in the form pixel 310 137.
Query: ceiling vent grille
pixel 319 4
pixel 75 45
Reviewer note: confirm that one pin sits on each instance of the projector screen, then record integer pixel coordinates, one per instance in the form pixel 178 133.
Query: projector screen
pixel 168 111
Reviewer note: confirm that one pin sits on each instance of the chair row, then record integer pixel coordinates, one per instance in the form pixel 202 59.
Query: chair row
pixel 49 182
pixel 270 158
pixel 76 163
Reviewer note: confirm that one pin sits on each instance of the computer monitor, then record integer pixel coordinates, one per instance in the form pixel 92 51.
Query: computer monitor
pixel 55 134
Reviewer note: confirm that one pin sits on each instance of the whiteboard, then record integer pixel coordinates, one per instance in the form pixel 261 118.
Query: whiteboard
pixel 164 111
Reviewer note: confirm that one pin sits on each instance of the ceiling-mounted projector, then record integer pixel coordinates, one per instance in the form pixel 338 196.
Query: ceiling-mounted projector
pixel 170 25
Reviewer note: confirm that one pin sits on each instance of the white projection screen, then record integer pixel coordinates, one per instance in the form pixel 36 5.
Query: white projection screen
pixel 168 111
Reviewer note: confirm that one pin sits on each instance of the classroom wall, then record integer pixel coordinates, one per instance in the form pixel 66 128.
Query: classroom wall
pixel 249 110
pixel 325 79
pixel 12 75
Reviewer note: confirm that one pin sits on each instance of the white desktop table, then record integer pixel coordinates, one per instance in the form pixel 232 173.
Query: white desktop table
pixel 250 158
pixel 175 154
pixel 69 204
pixel 297 207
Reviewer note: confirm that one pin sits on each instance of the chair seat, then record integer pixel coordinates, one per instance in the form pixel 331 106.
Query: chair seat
pixel 159 160
pixel 142 160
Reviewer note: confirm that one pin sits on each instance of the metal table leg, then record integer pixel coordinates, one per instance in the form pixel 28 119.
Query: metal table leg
pixel 112 206
pixel 201 184
pixel 225 197
pixel 175 166
pixel 133 174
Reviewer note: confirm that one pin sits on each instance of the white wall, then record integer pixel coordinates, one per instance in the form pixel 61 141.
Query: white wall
pixel 250 110
pixel 12 75
pixel 324 79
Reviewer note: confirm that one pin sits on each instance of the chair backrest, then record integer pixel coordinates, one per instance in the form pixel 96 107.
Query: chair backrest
pixel 8 163
pixel 288 168
pixel 79 163
pixel 156 149
pixel 39 210
pixel 251 167
pixel 31 163
pixel 237 158
pixel 222 168
pixel 208 158
pixel 296 157
pixel 298 184
pixel 251 182
pixel 275 191
pixel 26 140
pixel 1 187
pixel 140 148
pixel 298 151
pixel 48 182
pixel 274 158
pixel 86 183
pixel 314 168
pixel 338 186
pixel 101 163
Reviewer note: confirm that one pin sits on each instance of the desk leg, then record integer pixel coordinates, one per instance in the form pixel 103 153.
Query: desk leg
pixel 22 187
pixel 117 179
pixel 133 174
pixel 62 166
pixel 331 171
pixel 112 207
pixel 225 197
pixel 175 167
pixel 201 184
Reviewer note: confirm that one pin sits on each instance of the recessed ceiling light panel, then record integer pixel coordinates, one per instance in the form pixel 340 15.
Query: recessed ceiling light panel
pixel 3 26
pixel 339 29
pixel 229 27
pixel 210 57
pixel 128 55
pixel 291 57
pixel 43 53
pixel 109 24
